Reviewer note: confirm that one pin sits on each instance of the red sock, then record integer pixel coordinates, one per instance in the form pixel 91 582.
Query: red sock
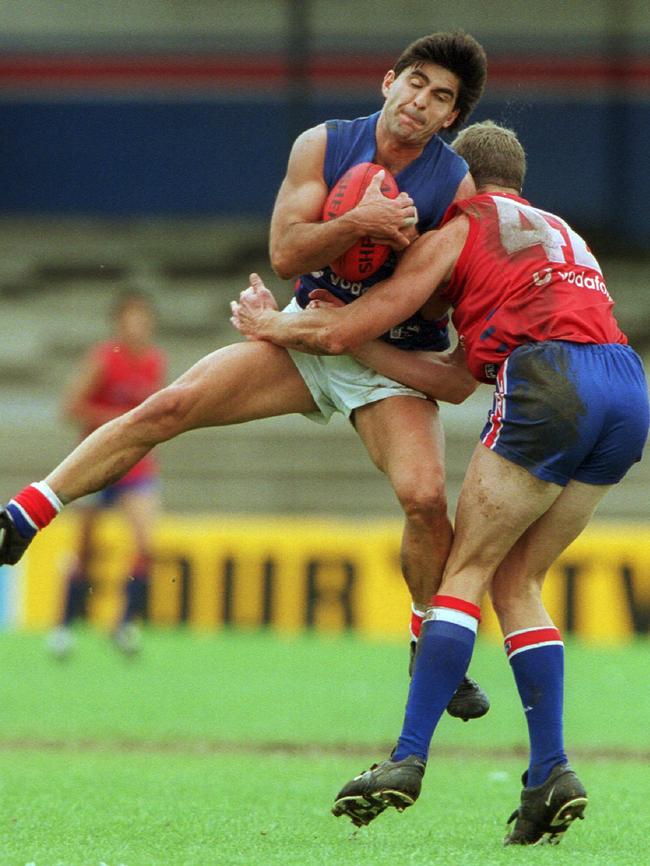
pixel 416 622
pixel 33 508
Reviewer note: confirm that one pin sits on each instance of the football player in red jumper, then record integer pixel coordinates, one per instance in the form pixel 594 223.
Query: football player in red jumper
pixel 116 375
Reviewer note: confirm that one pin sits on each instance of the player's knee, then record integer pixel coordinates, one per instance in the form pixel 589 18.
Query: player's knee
pixel 423 502
pixel 163 415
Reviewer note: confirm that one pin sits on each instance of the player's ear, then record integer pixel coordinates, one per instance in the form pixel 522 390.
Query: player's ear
pixel 452 117
pixel 388 80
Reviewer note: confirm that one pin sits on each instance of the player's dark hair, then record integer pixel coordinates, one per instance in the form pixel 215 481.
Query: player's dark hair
pixel 458 52
pixel 493 153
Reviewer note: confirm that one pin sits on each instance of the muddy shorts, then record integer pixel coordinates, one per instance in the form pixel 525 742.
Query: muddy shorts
pixel 570 411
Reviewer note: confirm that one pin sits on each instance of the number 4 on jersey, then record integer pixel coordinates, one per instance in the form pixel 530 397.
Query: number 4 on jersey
pixel 535 229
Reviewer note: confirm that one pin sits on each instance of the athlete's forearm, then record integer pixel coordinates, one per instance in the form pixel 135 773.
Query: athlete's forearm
pixel 340 330
pixel 310 331
pixel 436 374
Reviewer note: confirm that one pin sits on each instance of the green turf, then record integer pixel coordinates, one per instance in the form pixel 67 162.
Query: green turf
pixel 152 810
pixel 104 760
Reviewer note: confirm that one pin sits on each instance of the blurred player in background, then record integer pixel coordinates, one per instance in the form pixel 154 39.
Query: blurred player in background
pixel 115 376
pixel 433 86
pixel 570 417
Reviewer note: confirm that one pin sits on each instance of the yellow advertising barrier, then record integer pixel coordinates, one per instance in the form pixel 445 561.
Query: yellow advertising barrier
pixel 327 574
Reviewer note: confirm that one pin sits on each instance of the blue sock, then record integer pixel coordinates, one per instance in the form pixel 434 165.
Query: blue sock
pixel 137 592
pixel 136 589
pixel 76 598
pixel 444 651
pixel 536 656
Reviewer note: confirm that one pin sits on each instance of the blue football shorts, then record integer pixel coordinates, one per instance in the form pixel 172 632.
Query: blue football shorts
pixel 570 411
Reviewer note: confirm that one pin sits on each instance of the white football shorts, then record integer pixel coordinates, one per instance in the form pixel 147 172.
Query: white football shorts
pixel 339 383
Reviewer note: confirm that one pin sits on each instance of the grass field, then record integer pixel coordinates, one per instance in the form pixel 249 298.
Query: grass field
pixel 211 750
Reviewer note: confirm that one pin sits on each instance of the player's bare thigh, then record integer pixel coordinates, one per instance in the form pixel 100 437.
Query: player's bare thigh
pixel 405 439
pixel 243 382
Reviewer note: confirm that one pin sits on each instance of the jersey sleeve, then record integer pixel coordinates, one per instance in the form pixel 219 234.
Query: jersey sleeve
pixel 450 171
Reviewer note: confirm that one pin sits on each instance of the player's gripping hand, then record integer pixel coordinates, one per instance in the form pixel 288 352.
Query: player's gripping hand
pixel 319 298
pixel 247 313
pixel 458 357
pixel 410 232
pixel 383 219
pixel 259 294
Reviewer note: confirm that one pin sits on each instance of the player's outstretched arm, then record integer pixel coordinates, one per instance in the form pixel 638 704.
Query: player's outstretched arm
pixel 300 241
pixel 440 375
pixel 257 297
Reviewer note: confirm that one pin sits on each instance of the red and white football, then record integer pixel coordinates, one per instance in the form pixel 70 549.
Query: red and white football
pixel 364 257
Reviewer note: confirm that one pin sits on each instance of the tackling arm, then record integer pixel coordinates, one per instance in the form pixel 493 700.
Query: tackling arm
pixel 336 331
pixel 439 375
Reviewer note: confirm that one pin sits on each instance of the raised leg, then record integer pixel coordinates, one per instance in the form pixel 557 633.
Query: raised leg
pixel 238 383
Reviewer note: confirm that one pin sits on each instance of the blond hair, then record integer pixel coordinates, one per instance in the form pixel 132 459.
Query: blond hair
pixel 493 153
